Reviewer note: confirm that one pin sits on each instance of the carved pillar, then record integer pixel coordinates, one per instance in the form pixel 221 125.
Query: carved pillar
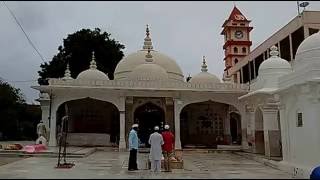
pixel 45 110
pixel 122 140
pixel 250 127
pixel 128 117
pixel 53 124
pixel 177 110
pixel 169 113
pixel 244 142
pixel 284 127
pixel 227 132
pixel 271 130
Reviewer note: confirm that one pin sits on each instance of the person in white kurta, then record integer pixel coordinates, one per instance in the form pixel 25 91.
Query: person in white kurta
pixel 156 142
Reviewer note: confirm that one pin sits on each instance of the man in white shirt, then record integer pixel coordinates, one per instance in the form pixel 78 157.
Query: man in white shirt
pixel 156 142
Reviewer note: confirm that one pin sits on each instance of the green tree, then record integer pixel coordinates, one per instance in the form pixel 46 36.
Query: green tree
pixel 18 120
pixel 11 104
pixel 77 49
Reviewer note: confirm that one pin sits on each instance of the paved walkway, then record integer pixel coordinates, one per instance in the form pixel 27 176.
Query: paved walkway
pixel 103 164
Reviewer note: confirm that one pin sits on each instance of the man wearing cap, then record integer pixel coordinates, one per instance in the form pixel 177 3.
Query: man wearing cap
pixel 133 147
pixel 167 147
pixel 156 141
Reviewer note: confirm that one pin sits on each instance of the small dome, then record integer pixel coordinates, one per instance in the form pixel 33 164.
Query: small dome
pixel 204 77
pixel 308 50
pixel 274 64
pixel 148 71
pixel 271 70
pixel 131 61
pixel 93 73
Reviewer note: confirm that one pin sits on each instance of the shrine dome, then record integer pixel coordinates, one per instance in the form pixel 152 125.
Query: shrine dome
pixel 148 71
pixel 204 77
pixel 133 60
pixel 308 51
pixel 92 73
pixel 274 65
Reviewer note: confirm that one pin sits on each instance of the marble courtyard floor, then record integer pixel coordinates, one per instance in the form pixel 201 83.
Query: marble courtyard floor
pixel 107 164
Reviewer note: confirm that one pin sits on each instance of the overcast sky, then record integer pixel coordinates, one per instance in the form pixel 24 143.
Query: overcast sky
pixel 184 31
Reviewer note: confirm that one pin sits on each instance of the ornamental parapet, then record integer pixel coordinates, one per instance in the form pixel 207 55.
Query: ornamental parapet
pixel 158 85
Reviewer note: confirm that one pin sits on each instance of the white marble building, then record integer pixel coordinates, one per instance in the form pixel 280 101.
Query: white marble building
pixel 278 115
pixel 148 79
pixel 283 108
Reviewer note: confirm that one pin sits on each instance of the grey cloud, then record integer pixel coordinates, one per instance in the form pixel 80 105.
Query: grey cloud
pixel 183 30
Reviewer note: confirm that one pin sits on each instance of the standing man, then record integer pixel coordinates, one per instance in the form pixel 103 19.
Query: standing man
pixel 156 141
pixel 133 147
pixel 167 147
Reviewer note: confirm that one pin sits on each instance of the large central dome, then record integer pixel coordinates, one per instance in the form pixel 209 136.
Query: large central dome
pixel 130 62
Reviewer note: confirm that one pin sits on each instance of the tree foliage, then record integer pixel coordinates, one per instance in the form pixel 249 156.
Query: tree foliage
pixel 17 121
pixel 77 49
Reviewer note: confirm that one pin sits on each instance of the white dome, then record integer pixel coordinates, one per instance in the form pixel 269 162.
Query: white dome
pixel 148 72
pixel 204 77
pixel 93 73
pixel 274 64
pixel 128 63
pixel 308 50
pixel 271 70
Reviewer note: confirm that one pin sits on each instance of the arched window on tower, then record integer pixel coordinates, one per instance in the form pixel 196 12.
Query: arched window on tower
pixel 235 50
pixel 235 61
pixel 244 50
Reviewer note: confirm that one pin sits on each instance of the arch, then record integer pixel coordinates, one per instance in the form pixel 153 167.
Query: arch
pixel 114 100
pixel 235 50
pixel 204 124
pixel 204 99
pixel 92 122
pixel 148 116
pixel 259 133
pixel 244 50
pixel 236 61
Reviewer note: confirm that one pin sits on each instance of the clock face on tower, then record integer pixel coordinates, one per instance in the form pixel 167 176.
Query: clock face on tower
pixel 238 34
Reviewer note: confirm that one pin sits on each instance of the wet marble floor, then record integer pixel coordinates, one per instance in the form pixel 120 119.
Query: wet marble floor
pixel 107 164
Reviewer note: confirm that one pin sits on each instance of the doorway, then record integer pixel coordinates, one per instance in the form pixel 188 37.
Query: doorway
pixel 148 116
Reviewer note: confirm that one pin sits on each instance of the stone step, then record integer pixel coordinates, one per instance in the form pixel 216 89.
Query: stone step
pixel 38 155
pixel 78 154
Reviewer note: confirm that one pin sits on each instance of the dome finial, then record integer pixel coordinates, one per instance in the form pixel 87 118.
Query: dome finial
pixel 204 65
pixel 274 51
pixel 147 31
pixel 149 56
pixel 147 40
pixel 93 64
pixel 67 73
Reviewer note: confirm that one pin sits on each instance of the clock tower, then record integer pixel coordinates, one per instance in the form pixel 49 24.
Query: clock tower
pixel 236 31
